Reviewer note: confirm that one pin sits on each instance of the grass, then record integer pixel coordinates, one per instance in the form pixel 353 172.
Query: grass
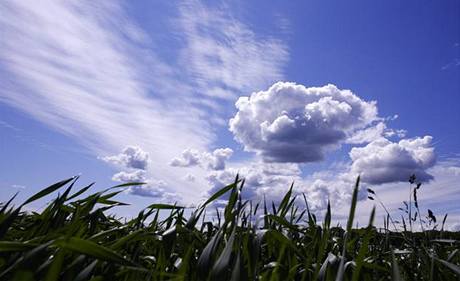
pixel 74 238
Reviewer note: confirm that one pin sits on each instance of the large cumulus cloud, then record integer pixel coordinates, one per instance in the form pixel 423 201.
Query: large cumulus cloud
pixel 292 123
pixel 384 161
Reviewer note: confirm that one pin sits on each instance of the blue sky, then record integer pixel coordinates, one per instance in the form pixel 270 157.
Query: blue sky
pixel 155 91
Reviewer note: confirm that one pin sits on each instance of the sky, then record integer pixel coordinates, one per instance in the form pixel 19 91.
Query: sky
pixel 184 95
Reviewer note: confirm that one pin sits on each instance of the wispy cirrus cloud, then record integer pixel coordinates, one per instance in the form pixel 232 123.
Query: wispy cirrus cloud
pixel 224 57
pixel 88 71
pixel 83 74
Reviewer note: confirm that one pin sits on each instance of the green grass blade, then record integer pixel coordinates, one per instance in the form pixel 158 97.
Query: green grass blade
pixel 221 192
pixel 221 267
pixel 92 249
pixel 354 200
pixel 56 266
pixel 164 207
pixel 11 246
pixel 3 210
pixel 80 192
pixel 396 273
pixel 451 266
pixel 48 190
pixel 364 247
pixel 205 260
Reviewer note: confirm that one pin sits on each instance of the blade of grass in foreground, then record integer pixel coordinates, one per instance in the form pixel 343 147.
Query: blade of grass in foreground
pixel 81 191
pixel 221 192
pixel 47 190
pixel 221 268
pixel 396 272
pixel 11 246
pixel 164 207
pixel 205 259
pixel 55 269
pixel 364 247
pixel 92 249
pixel 354 200
pixel 5 207
pixel 453 267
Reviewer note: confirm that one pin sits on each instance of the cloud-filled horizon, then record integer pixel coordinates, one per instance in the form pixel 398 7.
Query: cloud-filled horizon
pixel 187 96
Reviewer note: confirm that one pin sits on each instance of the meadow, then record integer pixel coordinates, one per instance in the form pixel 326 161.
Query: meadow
pixel 76 237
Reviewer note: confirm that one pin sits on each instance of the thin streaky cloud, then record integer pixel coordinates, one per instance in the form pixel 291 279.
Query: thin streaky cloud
pixel 89 72
pixel 79 75
pixel 225 58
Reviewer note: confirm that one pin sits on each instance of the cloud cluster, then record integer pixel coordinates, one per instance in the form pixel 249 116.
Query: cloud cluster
pixel 190 157
pixel 132 157
pixel 384 161
pixel 134 161
pixel 156 189
pixel 132 176
pixel 337 191
pixel 212 161
pixel 216 159
pixel 293 123
pixel 269 179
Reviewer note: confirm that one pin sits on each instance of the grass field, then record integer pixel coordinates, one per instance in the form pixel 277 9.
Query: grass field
pixel 75 238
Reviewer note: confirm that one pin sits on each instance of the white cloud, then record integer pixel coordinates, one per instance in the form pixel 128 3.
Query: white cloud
pixel 269 179
pixel 272 180
pixel 155 189
pixel 151 188
pixel 189 157
pixel 134 176
pixel 383 161
pixel 190 177
pixel 213 161
pixel 440 195
pixel 292 123
pixel 216 160
pixel 337 191
pixel 375 132
pixel 369 134
pixel 131 157
pixel 336 183
pixel 455 227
